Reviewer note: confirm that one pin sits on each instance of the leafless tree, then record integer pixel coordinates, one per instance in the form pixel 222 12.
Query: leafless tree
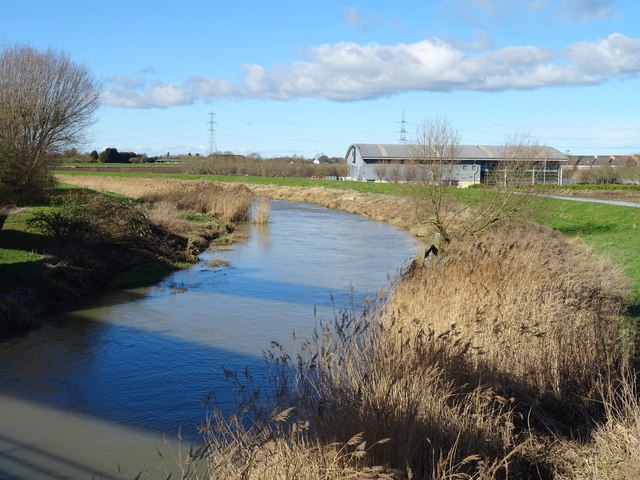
pixel 513 192
pixel 380 170
pixel 47 103
pixel 411 171
pixel 395 171
pixel 437 152
pixel 436 149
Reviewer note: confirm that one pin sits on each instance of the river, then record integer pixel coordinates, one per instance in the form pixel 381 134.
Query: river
pixel 94 393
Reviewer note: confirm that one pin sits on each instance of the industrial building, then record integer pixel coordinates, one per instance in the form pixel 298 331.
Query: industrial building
pixel 465 165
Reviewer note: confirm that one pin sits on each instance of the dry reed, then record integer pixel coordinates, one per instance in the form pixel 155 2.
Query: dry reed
pixel 262 212
pixel 282 448
pixel 229 202
pixel 165 215
pixel 465 370
pixel 531 308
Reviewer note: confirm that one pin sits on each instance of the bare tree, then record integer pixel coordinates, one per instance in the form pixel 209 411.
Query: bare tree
pixel 437 151
pixel 512 192
pixel 381 169
pixel 47 103
pixel 411 172
pixel 395 171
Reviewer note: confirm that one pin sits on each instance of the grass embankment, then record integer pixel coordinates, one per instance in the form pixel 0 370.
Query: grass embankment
pixel 59 254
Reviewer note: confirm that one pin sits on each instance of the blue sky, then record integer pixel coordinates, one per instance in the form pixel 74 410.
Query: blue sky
pixel 312 77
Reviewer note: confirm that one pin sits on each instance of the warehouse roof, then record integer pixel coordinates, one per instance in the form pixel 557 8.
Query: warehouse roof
pixel 467 152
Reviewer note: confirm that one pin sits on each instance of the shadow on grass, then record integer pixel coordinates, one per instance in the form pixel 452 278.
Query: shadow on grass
pixel 20 240
pixel 588 228
pixel 20 265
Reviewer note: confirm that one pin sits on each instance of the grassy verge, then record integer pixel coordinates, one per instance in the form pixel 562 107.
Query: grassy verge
pixel 611 231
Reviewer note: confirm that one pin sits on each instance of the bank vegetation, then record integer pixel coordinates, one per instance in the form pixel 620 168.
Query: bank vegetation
pixel 504 356
pixel 81 240
pixel 501 358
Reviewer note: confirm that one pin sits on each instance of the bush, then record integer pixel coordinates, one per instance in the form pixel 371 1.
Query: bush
pixel 64 220
pixel 93 216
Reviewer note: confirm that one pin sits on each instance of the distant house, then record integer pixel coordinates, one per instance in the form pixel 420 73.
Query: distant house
pixel 581 162
pixel 472 164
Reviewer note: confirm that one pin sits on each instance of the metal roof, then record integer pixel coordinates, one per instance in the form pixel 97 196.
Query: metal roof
pixel 467 152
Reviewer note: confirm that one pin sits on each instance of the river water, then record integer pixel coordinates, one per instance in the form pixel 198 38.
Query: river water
pixel 98 393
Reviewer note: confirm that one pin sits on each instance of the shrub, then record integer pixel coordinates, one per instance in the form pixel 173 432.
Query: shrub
pixel 64 220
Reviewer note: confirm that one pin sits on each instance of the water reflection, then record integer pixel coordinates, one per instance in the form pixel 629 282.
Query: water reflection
pixel 141 360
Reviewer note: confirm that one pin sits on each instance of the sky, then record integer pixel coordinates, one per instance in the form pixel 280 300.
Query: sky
pixel 312 77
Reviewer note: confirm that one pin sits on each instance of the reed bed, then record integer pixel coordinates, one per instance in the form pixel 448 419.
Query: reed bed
pixel 228 202
pixel 529 307
pixel 502 359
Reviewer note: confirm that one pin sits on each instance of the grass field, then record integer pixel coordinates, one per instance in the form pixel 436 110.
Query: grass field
pixel 610 230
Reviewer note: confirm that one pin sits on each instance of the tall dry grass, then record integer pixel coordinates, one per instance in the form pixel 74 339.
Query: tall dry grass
pixel 530 308
pixel 613 451
pixel 229 202
pixel 488 364
pixel 282 448
pixel 165 215
pixel 262 212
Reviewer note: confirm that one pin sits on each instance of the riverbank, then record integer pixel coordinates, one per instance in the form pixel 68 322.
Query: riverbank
pixel 396 210
pixel 503 358
pixel 62 254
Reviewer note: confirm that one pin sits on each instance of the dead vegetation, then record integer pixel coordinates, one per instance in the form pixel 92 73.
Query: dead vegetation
pixel 228 202
pixel 262 212
pixel 503 359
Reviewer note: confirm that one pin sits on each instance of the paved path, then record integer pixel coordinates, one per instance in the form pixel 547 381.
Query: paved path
pixel 609 202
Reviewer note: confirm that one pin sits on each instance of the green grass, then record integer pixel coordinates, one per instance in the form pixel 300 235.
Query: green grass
pixel 589 186
pixel 612 231
pixel 20 255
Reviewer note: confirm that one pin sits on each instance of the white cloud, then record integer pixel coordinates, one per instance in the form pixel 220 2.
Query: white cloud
pixel 348 71
pixel 614 56
pixel 587 10
pixel 126 81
